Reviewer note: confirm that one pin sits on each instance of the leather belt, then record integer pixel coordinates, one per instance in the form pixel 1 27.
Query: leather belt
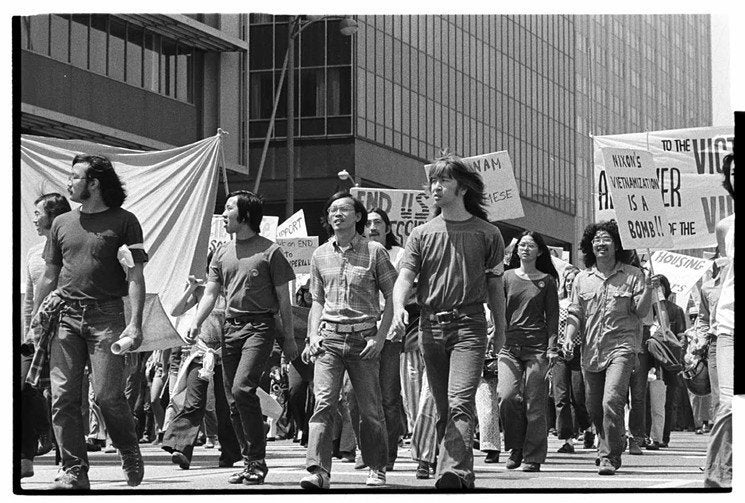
pixel 346 328
pixel 247 318
pixel 444 317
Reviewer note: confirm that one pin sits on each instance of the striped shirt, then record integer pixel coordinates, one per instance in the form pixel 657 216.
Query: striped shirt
pixel 346 281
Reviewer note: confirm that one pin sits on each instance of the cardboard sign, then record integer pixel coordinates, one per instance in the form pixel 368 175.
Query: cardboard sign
pixel 293 227
pixel 502 195
pixel 405 208
pixel 683 272
pixel 689 166
pixel 640 211
pixel 298 252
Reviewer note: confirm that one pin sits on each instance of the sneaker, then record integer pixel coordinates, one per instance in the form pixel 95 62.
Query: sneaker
pixel 210 443
pixel 451 481
pixel 588 442
pixel 532 467
pixel 255 473
pixel 375 478
pixel 74 478
pixel 27 468
pixel 516 459
pixel 606 467
pixel 318 479
pixel 422 471
pixel 180 459
pixel 634 447
pixel 492 457
pixel 132 465
pixel 567 448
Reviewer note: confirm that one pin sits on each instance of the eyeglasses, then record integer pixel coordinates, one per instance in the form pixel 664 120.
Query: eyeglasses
pixel 603 240
pixel 530 246
pixel 343 209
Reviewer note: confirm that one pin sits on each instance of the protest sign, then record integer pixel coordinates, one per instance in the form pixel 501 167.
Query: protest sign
pixel 640 211
pixel 688 164
pixel 500 188
pixel 298 252
pixel 293 227
pixel 218 234
pixel 405 208
pixel 269 227
pixel 682 271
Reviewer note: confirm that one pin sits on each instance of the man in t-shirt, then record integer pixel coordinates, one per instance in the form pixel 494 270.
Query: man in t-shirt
pixel 253 273
pixel 81 263
pixel 458 257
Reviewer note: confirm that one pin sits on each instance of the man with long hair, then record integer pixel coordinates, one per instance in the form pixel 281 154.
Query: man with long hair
pixel 609 299
pixel 458 257
pixel 253 273
pixel 82 265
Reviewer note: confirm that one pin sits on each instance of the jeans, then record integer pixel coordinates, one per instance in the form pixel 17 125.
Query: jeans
pixel 713 376
pixel 638 401
pixel 342 353
pixel 454 359
pixel 390 389
pixel 719 454
pixel 569 394
pixel 605 394
pixel 412 375
pixel 87 332
pixel 245 351
pixel 523 394
pixel 657 398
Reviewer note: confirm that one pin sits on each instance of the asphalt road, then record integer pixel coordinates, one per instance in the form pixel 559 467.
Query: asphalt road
pixel 675 467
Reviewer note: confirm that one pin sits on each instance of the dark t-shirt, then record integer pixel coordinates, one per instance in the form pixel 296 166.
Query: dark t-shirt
pixel 531 309
pixel 248 270
pixel 85 245
pixel 453 260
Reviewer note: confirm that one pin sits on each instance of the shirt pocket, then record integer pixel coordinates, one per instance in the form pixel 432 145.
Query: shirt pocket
pixel 620 300
pixel 589 302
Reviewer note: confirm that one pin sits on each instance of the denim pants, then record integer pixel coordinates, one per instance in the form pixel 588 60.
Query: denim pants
pixel 606 397
pixel 87 332
pixel 719 454
pixel 245 351
pixel 657 397
pixel 523 395
pixel 454 360
pixel 569 395
pixel 390 389
pixel 412 375
pixel 342 353
pixel 713 377
pixel 638 394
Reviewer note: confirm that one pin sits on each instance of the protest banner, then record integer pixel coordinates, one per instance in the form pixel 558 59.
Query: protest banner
pixel 269 227
pixel 500 188
pixel 683 272
pixel 688 164
pixel 640 211
pixel 298 252
pixel 293 227
pixel 405 208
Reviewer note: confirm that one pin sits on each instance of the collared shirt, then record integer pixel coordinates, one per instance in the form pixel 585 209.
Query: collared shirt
pixel 605 307
pixel 346 281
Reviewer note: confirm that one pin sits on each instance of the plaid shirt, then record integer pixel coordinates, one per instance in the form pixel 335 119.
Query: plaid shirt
pixel 346 281
pixel 43 329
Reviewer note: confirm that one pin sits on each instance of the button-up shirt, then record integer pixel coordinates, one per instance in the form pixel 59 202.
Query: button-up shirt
pixel 346 280
pixel 605 308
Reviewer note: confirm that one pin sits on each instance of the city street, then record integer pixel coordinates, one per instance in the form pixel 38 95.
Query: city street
pixel 676 467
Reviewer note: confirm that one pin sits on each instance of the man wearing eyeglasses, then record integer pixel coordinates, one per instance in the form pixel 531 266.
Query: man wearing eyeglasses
pixel 609 300
pixel 347 272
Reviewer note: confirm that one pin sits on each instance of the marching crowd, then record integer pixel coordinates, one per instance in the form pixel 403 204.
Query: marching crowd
pixel 447 344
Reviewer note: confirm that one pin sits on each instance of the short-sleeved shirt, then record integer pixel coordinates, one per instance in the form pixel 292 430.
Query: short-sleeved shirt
pixel 85 246
pixel 248 271
pixel 606 310
pixel 453 260
pixel 531 309
pixel 346 281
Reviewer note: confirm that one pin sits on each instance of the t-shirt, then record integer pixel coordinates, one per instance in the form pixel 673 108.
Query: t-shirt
pixel 248 270
pixel 85 245
pixel 725 313
pixel 453 260
pixel 531 309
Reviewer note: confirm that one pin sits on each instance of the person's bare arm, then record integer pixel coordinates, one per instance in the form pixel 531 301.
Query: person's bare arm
pixel 289 347
pixel 47 284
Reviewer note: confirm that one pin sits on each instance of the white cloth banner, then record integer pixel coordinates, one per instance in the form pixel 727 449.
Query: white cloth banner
pixel 502 195
pixel 406 209
pixel 689 164
pixel 293 227
pixel 172 193
pixel 682 271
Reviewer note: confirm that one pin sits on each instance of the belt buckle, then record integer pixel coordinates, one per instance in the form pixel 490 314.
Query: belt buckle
pixel 444 317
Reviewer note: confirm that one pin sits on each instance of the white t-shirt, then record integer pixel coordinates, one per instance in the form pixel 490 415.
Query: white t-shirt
pixel 725 313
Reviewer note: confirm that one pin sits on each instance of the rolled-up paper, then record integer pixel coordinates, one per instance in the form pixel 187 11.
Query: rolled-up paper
pixel 122 345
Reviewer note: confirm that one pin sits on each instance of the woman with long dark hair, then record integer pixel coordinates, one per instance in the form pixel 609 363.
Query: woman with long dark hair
pixel 532 313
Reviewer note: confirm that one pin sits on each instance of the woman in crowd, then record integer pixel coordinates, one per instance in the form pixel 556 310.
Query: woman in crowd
pixel 532 314
pixel 34 412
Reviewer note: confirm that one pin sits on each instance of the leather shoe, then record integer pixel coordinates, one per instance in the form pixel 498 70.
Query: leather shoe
pixel 516 459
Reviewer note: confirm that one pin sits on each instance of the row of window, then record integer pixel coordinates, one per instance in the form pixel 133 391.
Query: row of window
pixel 117 49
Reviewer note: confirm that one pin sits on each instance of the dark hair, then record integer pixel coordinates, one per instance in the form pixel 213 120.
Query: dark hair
pixel 726 168
pixel 611 228
pixel 665 284
pixel 468 180
pixel 358 208
pixel 100 168
pixel 390 239
pixel 250 208
pixel 54 204
pixel 543 263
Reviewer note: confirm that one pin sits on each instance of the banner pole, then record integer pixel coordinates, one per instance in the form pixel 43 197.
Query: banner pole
pixel 662 315
pixel 222 134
